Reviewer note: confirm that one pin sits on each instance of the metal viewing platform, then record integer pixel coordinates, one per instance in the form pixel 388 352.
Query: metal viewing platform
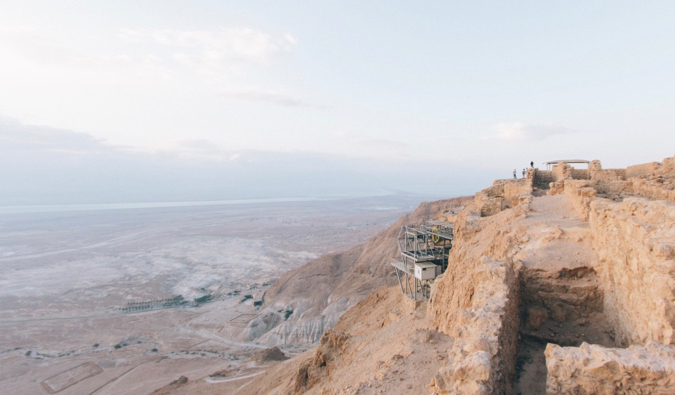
pixel 424 255
pixel 568 161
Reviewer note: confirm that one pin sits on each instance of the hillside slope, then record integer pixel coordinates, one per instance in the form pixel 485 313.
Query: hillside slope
pixel 308 300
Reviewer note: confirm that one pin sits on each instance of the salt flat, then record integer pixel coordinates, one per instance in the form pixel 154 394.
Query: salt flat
pixel 103 301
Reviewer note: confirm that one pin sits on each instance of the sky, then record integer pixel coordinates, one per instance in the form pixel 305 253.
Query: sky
pixel 125 101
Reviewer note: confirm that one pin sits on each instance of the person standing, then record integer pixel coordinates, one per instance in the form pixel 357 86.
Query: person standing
pixel 532 164
pixel 523 173
pixel 514 173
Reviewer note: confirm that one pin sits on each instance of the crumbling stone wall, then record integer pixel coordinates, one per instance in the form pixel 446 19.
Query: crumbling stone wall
pixel 485 329
pixel 581 193
pixel 635 242
pixel 592 369
pixel 600 175
pixel 642 169
pixel 490 205
pixel 594 167
pixel 654 181
pixel 580 174
pixel 652 187
pixel 503 194
pixel 477 302
pixel 609 175
pixel 542 178
pixel 562 171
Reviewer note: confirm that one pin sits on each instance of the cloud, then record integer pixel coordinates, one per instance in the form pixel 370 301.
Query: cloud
pixel 353 144
pixel 38 47
pixel 272 97
pixel 196 151
pixel 43 165
pixel 519 132
pixel 216 49
pixel 19 139
pixel 16 136
pixel 241 63
pixel 33 143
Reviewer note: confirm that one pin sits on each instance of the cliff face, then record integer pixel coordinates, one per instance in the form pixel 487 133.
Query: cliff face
pixel 560 267
pixel 308 300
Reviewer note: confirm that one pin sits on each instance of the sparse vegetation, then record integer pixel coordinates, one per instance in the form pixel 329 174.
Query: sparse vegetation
pixel 203 299
pixel 154 304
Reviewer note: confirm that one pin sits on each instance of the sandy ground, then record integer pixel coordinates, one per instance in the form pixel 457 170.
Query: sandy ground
pixel 84 296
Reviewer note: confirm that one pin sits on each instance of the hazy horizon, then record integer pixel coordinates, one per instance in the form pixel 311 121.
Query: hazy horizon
pixel 51 208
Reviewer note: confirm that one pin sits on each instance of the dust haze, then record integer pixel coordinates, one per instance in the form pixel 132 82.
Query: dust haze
pixel 94 300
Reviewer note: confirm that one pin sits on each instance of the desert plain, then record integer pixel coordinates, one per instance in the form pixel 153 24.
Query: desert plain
pixel 126 300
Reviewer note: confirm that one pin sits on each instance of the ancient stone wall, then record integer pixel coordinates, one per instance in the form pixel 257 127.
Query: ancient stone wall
pixel 635 242
pixel 592 369
pixel 514 191
pixel 476 301
pixel 608 175
pixel 481 359
pixel 562 171
pixel 542 178
pixel 490 205
pixel 581 193
pixel 654 188
pixel 503 194
pixel 580 174
pixel 667 167
pixel 593 167
pixel 642 170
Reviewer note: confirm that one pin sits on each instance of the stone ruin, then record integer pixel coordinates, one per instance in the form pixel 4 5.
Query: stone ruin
pixel 539 299
pixel 560 282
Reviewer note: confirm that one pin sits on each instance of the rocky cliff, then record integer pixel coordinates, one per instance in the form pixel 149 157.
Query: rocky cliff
pixel 309 300
pixel 558 286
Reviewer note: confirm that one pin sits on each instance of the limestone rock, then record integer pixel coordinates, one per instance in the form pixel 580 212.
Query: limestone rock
pixel 592 369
